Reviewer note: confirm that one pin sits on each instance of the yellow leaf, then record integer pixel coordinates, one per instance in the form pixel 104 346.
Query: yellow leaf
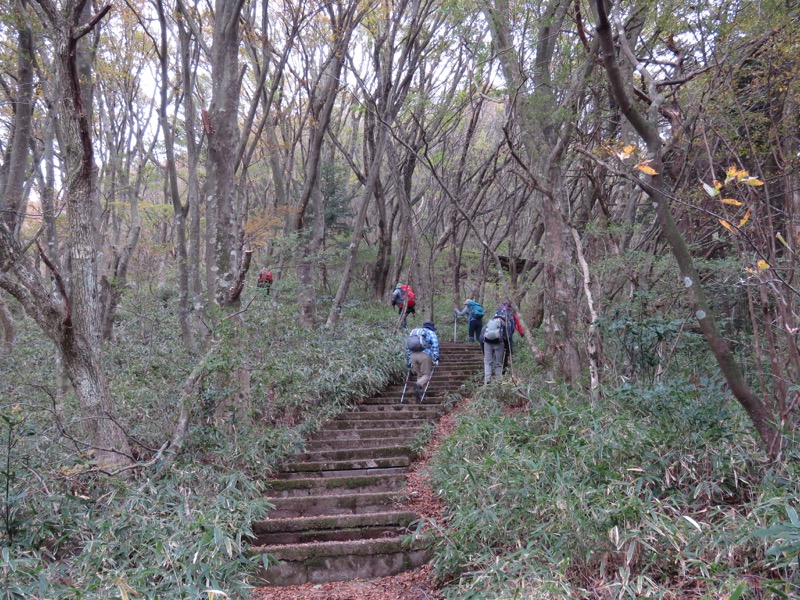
pixel 745 218
pixel 645 168
pixel 717 184
pixel 762 265
pixel 730 201
pixel 726 225
pixel 734 173
pixel 782 240
pixel 625 152
pixel 752 181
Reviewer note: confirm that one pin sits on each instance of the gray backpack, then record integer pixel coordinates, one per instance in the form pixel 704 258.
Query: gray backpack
pixel 494 330
pixel 416 341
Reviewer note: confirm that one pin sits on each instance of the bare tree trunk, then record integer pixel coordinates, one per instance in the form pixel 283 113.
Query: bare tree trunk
pixel 755 408
pixel 358 230
pixel 544 135
pixel 180 211
pixel 14 173
pixel 9 335
pixel 222 129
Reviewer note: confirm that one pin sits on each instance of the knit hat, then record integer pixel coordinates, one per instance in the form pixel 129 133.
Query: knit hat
pixel 398 286
pixel 429 325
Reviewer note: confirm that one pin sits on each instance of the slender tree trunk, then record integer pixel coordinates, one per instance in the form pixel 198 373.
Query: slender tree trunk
pixel 222 129
pixel 180 211
pixel 755 408
pixel 16 170
pixel 9 336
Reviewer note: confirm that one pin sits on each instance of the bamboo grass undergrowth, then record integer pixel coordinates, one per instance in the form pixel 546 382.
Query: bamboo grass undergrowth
pixel 657 492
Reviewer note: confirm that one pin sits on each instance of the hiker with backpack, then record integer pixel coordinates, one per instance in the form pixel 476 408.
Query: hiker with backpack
pixel 422 354
pixel 474 312
pixel 495 346
pixel 512 325
pixel 265 279
pixel 403 299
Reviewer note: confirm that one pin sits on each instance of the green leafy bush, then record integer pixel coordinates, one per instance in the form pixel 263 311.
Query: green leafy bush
pixel 652 492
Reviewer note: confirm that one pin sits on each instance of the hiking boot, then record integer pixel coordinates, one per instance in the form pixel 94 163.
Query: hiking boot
pixel 418 392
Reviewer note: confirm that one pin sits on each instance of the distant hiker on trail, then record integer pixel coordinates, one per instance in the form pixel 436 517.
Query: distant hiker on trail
pixel 422 354
pixel 512 325
pixel 474 311
pixel 403 299
pixel 494 343
pixel 265 279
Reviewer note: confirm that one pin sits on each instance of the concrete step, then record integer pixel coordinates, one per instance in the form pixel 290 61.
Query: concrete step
pixel 304 530
pixel 333 473
pixel 347 465
pixel 316 486
pixel 342 504
pixel 356 453
pixel 339 561
pixel 317 445
pixel 403 413
pixel 396 424
pixel 338 512
pixel 395 407
pixel 364 434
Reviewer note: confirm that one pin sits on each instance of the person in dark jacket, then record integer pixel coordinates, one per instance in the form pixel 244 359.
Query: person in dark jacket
pixel 512 326
pixel 494 343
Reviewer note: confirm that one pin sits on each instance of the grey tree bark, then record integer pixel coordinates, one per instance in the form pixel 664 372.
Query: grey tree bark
pixel 656 188
pixel 222 128
pixel 74 321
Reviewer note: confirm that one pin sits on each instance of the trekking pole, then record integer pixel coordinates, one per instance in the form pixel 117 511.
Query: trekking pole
pixel 425 391
pixel 455 328
pixel 403 395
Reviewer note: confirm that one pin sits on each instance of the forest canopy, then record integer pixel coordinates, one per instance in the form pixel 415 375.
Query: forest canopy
pixel 625 174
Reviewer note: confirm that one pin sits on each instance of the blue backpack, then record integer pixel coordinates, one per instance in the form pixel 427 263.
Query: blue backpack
pixel 477 309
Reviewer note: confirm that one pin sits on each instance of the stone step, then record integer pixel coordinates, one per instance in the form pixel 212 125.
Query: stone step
pixel 373 424
pixel 336 514
pixel 317 445
pixel 355 434
pixel 404 413
pixel 304 530
pixel 395 407
pixel 347 465
pixel 434 399
pixel 339 561
pixel 340 504
pixel 334 473
pixel 355 453
pixel 315 486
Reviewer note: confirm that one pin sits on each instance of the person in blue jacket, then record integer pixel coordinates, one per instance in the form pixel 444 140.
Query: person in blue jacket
pixel 474 311
pixel 422 354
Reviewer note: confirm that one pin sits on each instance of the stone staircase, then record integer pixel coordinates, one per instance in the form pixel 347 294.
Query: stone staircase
pixel 339 511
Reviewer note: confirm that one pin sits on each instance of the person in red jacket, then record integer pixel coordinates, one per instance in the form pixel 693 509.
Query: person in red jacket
pixel 265 279
pixel 403 299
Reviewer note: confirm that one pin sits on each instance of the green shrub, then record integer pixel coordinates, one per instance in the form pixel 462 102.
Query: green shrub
pixel 651 492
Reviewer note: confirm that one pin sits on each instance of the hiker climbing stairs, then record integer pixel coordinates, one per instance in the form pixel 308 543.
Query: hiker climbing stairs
pixel 339 507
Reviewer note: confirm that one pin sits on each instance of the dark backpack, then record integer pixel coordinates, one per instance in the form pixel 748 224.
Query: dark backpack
pixel 507 311
pixel 416 341
pixel 494 330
